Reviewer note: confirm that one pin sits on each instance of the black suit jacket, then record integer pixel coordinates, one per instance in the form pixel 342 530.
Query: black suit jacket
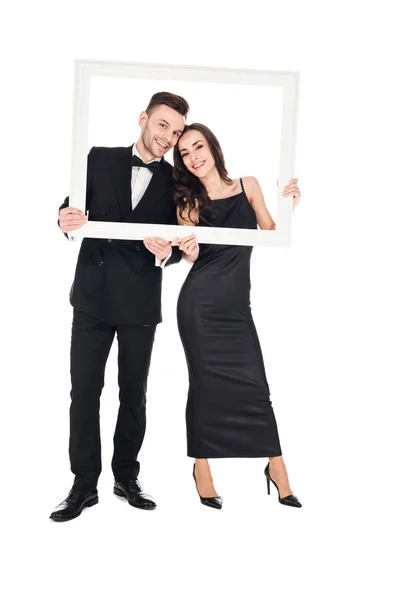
pixel 117 281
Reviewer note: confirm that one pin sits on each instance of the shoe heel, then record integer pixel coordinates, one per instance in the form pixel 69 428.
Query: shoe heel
pixel 290 500
pixel 268 478
pixel 93 502
pixel 118 492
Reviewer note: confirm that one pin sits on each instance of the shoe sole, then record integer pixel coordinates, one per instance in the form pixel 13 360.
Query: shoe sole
pixel 216 506
pixel 121 494
pixel 88 505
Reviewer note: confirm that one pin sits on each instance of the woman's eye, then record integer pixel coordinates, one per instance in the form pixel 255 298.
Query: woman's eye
pixel 199 146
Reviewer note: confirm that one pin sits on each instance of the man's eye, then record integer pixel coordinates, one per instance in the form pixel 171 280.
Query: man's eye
pixel 163 125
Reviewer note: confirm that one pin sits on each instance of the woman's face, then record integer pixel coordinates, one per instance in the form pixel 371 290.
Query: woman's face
pixel 195 152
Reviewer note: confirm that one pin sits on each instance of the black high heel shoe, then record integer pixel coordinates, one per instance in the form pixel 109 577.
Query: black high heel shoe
pixel 287 500
pixel 215 502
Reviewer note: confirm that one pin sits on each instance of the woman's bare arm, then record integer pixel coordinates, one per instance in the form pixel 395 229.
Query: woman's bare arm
pixel 257 202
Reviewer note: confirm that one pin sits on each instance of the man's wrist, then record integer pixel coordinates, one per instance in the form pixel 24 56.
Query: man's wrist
pixel 162 262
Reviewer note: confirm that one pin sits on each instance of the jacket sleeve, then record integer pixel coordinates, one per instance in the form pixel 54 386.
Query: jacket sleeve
pixel 89 189
pixel 175 256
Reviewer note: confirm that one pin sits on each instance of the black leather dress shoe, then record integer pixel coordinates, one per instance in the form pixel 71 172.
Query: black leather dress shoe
pixel 74 504
pixel 134 493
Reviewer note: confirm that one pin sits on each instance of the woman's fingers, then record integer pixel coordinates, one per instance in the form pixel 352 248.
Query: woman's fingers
pixel 291 183
pixel 188 238
pixel 290 189
pixel 190 247
pixel 186 244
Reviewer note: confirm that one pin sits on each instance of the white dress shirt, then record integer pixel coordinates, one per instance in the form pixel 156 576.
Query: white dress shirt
pixel 141 177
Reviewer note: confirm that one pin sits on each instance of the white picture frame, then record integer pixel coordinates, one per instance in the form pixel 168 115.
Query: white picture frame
pixel 288 80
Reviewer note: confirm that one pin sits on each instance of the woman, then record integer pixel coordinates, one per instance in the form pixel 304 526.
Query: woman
pixel 228 413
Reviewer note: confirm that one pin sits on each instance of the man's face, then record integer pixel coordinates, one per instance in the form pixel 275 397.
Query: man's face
pixel 161 130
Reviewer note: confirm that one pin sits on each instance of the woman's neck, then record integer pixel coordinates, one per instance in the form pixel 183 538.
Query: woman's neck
pixel 213 183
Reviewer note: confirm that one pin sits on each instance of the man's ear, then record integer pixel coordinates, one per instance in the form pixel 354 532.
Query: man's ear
pixel 143 118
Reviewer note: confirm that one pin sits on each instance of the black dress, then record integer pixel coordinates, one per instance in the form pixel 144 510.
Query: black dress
pixel 228 412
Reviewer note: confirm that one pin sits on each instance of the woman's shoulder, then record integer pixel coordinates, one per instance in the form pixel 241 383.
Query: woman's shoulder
pixel 249 180
pixel 250 185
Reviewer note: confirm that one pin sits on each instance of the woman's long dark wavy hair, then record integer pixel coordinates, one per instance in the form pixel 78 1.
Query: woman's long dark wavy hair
pixel 187 188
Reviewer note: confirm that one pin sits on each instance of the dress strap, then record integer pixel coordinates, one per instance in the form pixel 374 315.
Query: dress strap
pixel 241 183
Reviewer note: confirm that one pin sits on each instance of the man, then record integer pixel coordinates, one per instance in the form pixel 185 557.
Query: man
pixel 117 289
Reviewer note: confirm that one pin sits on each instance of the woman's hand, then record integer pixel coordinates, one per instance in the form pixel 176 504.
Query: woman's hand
pixel 291 189
pixel 189 246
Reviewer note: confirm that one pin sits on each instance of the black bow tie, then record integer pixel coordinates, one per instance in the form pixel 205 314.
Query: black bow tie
pixel 137 162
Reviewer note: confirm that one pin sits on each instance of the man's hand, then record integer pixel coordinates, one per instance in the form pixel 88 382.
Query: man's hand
pixel 71 218
pixel 159 247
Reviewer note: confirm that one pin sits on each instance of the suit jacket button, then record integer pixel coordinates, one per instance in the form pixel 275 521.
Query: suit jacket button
pixel 109 241
pixel 137 247
pixel 103 214
pixel 101 263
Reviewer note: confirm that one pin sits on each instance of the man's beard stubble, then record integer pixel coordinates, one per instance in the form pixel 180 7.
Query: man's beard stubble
pixel 146 139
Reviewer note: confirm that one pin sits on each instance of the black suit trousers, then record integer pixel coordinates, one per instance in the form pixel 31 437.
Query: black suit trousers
pixel 90 346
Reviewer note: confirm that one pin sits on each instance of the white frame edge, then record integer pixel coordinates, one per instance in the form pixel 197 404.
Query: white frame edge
pixel 289 80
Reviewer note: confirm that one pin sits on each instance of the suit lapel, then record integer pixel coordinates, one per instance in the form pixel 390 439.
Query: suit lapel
pixel 121 174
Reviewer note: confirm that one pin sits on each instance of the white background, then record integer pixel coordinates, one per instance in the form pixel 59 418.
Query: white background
pixel 249 148
pixel 326 312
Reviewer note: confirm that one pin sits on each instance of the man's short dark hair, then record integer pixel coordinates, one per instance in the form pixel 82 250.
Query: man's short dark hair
pixel 172 100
